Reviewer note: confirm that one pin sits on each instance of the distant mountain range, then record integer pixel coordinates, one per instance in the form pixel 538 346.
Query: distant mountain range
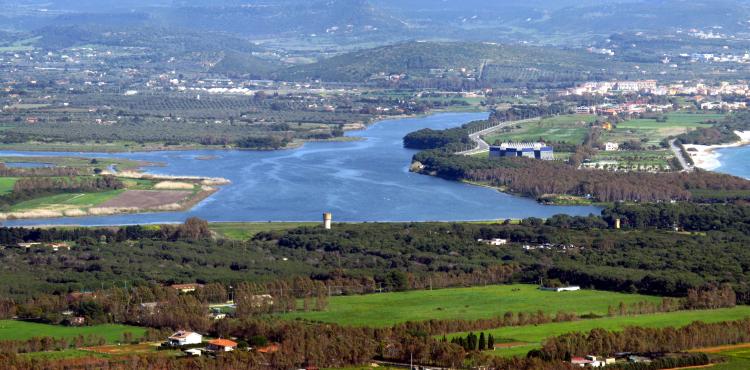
pixel 536 21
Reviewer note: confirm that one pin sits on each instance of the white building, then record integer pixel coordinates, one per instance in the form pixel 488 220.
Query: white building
pixel 183 337
pixel 495 241
pixel 611 147
pixel 571 288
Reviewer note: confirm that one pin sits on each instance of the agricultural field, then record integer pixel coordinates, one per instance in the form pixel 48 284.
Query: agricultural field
pixel 66 201
pixel 525 338
pixel 21 330
pixel 246 230
pixel 462 303
pixel 137 192
pixel 737 357
pixel 568 128
pixel 651 132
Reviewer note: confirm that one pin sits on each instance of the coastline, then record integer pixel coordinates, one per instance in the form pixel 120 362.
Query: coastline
pixel 706 158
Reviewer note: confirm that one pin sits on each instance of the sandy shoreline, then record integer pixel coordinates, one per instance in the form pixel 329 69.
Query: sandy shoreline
pixel 705 156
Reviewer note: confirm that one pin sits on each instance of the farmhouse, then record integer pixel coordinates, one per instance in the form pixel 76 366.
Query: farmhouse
pixel 221 345
pixel 183 337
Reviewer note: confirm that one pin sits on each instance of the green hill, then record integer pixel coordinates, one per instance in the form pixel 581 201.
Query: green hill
pixel 420 59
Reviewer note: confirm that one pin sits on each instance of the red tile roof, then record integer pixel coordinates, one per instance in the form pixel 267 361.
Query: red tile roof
pixel 223 343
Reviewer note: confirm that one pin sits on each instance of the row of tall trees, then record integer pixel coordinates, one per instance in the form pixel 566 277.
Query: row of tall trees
pixel 647 340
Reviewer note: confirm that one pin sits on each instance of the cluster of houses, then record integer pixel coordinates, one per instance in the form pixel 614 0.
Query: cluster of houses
pixel 592 361
pixel 191 339
pixel 652 87
pixel 549 246
pixel 194 345
pixel 596 361
pixel 614 110
pixel 53 246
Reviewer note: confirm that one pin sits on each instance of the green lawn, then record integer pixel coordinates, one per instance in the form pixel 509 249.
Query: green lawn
pixel 6 184
pixel 677 123
pixel 246 230
pixel 20 330
pixel 566 128
pixel 534 335
pixel 464 303
pixel 68 199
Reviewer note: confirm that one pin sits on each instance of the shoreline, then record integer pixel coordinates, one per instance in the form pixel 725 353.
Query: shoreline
pixel 706 158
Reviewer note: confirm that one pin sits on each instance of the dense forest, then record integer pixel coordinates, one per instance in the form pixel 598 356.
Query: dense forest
pixel 360 258
pixel 534 178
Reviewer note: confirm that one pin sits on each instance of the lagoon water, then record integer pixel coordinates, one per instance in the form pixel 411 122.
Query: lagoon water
pixel 734 161
pixel 367 180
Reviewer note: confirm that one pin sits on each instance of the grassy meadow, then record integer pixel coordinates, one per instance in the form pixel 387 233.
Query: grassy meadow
pixel 530 337
pixel 567 128
pixel 21 330
pixel 6 184
pixel 462 303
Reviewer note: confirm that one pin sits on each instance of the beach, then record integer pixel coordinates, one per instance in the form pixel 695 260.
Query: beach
pixel 705 156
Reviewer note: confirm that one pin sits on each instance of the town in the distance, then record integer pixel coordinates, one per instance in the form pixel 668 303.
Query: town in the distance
pixel 374 184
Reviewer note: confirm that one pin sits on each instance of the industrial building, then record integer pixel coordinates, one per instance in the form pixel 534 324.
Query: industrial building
pixel 526 150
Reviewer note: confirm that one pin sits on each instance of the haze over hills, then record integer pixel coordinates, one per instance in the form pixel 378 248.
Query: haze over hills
pixel 386 21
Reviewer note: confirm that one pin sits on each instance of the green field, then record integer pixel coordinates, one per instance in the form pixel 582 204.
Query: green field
pixel 246 230
pixel 737 359
pixel 462 303
pixel 534 335
pixel 654 132
pixel 6 184
pixel 21 330
pixel 69 199
pixel 567 128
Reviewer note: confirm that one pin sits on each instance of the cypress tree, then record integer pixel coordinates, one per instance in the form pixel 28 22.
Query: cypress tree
pixel 482 342
pixel 490 342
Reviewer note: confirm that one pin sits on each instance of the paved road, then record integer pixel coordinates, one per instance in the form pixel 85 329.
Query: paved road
pixel 686 167
pixel 482 145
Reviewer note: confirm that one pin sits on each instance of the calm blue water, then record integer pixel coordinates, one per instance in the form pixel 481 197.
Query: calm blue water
pixel 364 180
pixel 28 164
pixel 734 161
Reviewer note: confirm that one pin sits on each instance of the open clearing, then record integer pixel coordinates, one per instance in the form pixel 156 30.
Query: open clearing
pixel 246 230
pixel 6 184
pixel 534 335
pixel 462 303
pixel 146 199
pixel 21 330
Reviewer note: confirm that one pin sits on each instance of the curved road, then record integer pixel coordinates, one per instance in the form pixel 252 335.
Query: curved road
pixel 482 145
